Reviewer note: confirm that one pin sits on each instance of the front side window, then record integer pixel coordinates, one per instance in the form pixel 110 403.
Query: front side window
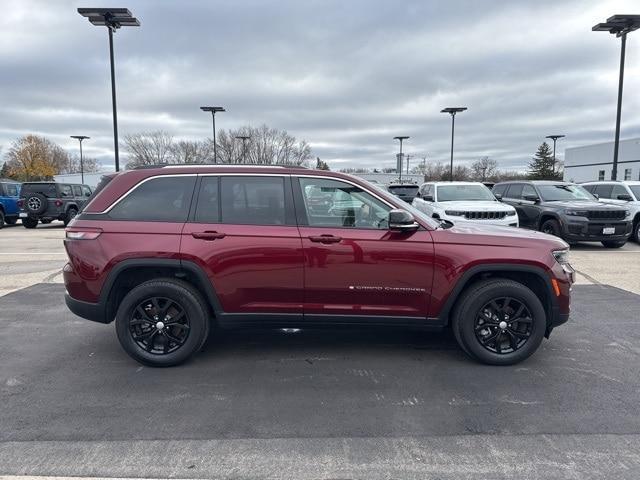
pixel 499 189
pixel 77 191
pixel 86 191
pixel 515 191
pixel 604 190
pixel 528 190
pixel 12 189
pixel 618 190
pixel 65 191
pixel 163 199
pixel 561 192
pixel 346 205
pixel 253 200
pixel 454 193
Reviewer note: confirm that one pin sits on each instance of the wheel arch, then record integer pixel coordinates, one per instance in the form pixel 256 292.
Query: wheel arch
pixel 533 277
pixel 547 215
pixel 129 273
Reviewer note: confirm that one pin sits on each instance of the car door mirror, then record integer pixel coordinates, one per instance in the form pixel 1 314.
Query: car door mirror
pixel 532 198
pixel 402 221
pixel 596 195
pixel 87 194
pixel 498 196
pixel 625 197
pixel 428 198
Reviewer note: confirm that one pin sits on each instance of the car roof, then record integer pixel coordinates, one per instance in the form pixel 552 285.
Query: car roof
pixel 537 182
pixel 602 182
pixel 455 183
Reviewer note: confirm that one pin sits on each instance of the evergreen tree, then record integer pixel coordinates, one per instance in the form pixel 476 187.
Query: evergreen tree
pixel 320 165
pixel 4 171
pixel 541 166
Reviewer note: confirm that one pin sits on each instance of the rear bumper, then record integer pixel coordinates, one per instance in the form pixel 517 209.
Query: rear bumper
pixel 90 311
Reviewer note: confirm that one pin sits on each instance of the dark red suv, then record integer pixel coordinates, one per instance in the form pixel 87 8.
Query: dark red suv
pixel 173 252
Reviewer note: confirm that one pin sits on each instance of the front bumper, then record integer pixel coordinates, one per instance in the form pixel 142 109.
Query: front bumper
pixel 585 230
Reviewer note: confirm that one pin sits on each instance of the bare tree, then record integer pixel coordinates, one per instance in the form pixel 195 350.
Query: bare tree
pixel 72 164
pixel 484 169
pixel 148 148
pixel 192 152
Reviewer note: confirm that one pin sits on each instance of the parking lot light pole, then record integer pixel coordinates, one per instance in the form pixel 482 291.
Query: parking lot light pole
pixel 112 18
pixel 80 138
pixel 619 25
pixel 452 111
pixel 213 111
pixel 399 163
pixel 555 139
pixel 244 139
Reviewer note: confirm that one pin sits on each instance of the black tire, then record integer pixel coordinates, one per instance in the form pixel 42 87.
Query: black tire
pixel 45 221
pixel 551 227
pixel 636 231
pixel 180 295
pixel 469 316
pixel 613 243
pixel 71 214
pixel 36 203
pixel 29 222
pixel 1 219
pixel 11 220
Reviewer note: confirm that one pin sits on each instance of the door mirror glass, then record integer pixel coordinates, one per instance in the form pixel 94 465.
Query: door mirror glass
pixel 402 221
pixel 532 198
pixel 498 196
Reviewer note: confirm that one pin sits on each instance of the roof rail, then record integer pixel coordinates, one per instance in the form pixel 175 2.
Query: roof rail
pixel 200 165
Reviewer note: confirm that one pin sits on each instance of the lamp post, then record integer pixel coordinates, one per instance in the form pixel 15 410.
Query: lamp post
pixel 399 163
pixel 112 18
pixel 452 111
pixel 213 111
pixel 244 139
pixel 555 139
pixel 80 138
pixel 619 25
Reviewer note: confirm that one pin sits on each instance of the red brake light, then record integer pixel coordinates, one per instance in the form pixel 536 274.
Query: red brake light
pixel 82 234
pixel 58 203
pixel 20 203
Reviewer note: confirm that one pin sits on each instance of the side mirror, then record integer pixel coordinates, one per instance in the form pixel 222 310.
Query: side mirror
pixel 87 194
pixel 596 195
pixel 498 196
pixel 428 198
pixel 532 198
pixel 402 221
pixel 625 197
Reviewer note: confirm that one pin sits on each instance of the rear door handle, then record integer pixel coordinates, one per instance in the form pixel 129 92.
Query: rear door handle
pixel 325 238
pixel 210 236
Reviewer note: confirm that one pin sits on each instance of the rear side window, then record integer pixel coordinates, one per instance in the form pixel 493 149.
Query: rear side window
pixel 163 199
pixel 515 191
pixel 77 191
pixel 46 189
pixel 499 189
pixel 11 189
pixel 252 200
pixel 66 191
pixel 208 209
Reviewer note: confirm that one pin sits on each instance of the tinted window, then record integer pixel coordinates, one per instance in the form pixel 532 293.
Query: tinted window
pixel 86 191
pixel 528 190
pixel 66 191
pixel 590 188
pixel 208 209
pixel 403 189
pixel 345 205
pixel 618 190
pixel 499 189
pixel 77 191
pixel 636 191
pixel 603 191
pixel 157 200
pixel 515 191
pixel 47 189
pixel 253 200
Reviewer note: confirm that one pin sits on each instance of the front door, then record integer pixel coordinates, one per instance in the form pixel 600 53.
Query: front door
pixel 353 264
pixel 242 233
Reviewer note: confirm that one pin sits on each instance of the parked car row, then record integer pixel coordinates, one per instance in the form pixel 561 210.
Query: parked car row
pixel 43 202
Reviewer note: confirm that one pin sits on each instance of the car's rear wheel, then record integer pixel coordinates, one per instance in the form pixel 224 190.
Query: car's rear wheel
pixel 2 220
pixel 551 227
pixel 29 222
pixel 613 243
pixel 71 214
pixel 45 221
pixel 11 220
pixel 499 322
pixel 161 323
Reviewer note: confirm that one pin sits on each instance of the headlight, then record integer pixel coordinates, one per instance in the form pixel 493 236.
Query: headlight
pixel 454 213
pixel 511 213
pixel 577 213
pixel 562 257
pixel 627 213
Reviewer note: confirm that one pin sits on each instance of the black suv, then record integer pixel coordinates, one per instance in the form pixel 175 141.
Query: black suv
pixel 566 210
pixel 48 201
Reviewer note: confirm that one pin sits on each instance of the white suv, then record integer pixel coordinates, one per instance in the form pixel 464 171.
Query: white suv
pixel 625 193
pixel 464 202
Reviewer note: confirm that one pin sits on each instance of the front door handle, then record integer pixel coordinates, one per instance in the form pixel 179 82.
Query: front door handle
pixel 325 238
pixel 209 236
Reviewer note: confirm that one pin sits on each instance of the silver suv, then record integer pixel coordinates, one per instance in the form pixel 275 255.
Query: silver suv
pixel 625 193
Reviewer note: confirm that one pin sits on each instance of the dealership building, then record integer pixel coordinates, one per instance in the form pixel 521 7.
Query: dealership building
pixel 595 162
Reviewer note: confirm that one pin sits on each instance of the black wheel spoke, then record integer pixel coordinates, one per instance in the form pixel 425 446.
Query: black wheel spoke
pixel 159 325
pixel 509 331
pixel 513 341
pixel 175 319
pixel 150 342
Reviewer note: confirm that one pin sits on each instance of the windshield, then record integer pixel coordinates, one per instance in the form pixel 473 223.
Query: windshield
pixel 455 193
pixel 635 189
pixel 557 193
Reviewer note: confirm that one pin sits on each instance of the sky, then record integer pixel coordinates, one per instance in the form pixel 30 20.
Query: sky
pixel 346 76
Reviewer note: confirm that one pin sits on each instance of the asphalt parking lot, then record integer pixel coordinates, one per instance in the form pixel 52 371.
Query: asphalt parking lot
pixel 316 405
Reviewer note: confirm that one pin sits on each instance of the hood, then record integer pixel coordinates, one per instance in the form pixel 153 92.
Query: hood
pixel 582 205
pixel 481 234
pixel 476 206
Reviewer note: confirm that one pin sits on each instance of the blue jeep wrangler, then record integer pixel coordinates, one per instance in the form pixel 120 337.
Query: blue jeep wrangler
pixel 9 196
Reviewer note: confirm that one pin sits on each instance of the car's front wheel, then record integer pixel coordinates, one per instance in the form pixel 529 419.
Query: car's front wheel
pixel 161 323
pixel 613 243
pixel 71 214
pixel 499 321
pixel 551 227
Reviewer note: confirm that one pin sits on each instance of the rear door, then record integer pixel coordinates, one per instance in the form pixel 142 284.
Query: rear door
pixel 242 233
pixel 355 266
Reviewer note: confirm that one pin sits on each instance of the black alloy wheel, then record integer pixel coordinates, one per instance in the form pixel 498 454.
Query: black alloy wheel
pixel 159 325
pixel 551 227
pixel 503 325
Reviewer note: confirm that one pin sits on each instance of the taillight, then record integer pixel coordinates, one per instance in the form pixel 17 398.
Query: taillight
pixel 76 234
pixel 58 203
pixel 20 203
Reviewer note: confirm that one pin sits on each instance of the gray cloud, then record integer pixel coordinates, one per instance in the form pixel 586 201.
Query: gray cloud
pixel 345 76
